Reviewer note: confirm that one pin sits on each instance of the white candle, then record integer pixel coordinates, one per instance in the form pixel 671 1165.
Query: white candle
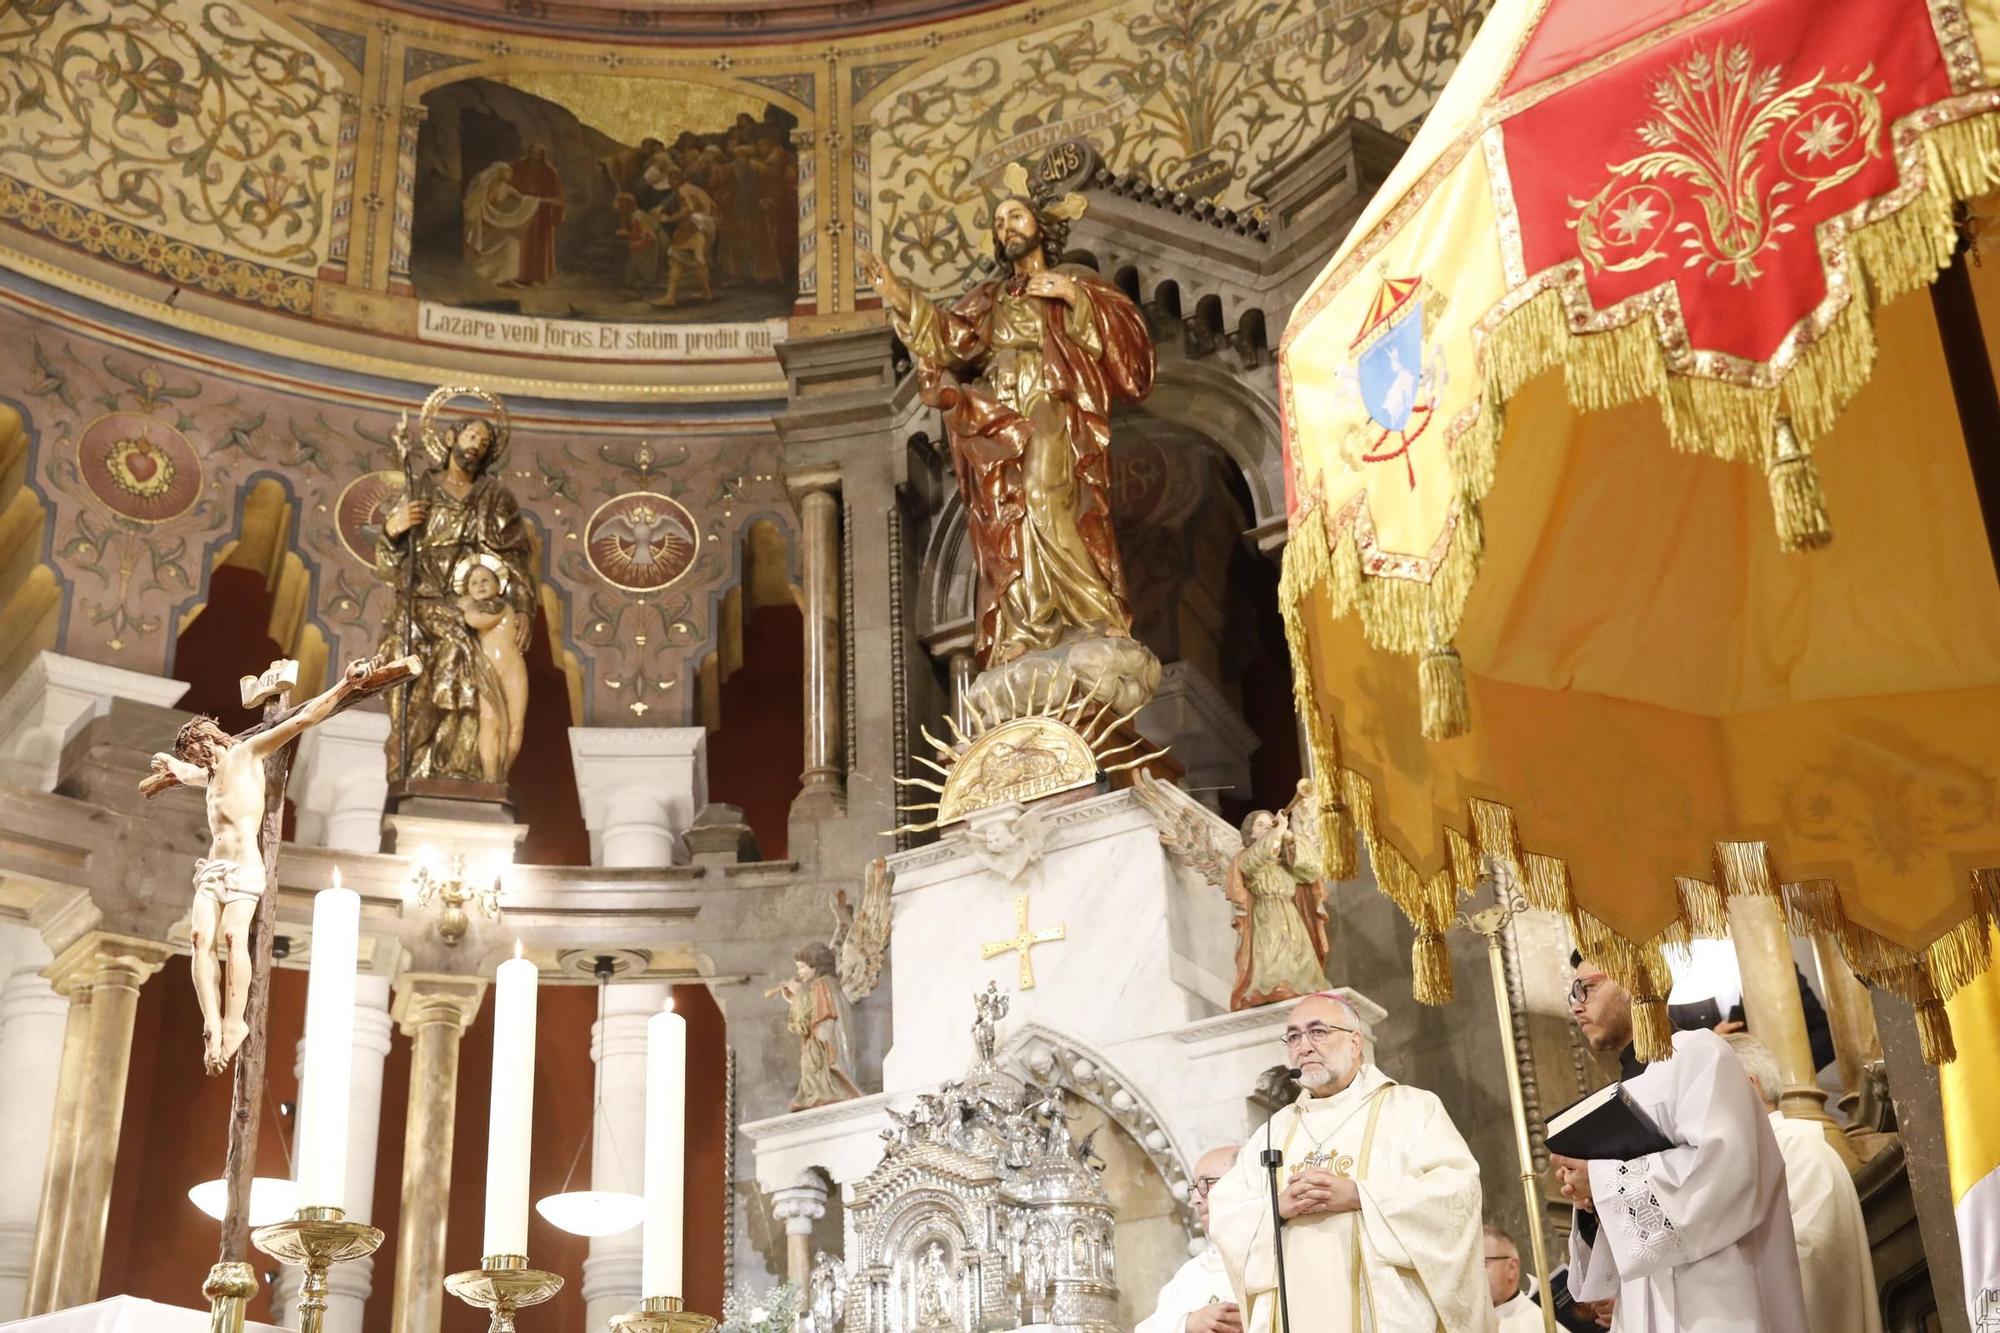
pixel 329 1058
pixel 666 1152
pixel 509 1137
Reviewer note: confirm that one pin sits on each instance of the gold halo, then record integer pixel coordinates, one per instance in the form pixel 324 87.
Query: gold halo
pixel 434 444
pixel 463 571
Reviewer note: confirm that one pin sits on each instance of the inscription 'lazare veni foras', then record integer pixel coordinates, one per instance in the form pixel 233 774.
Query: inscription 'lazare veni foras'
pixel 597 341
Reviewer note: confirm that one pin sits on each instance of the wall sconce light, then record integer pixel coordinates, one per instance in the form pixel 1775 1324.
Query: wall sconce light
pixel 451 887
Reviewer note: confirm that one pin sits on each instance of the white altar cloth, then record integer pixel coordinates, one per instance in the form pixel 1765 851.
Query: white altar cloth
pixel 126 1314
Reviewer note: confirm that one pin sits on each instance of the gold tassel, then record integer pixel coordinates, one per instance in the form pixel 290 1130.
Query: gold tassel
pixel 1441 691
pixel 1652 1030
pixel 1336 840
pixel 1795 494
pixel 1934 1033
pixel 1430 963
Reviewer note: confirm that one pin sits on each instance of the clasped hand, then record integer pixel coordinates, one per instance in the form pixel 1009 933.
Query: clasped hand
pixel 1314 1191
pixel 1573 1174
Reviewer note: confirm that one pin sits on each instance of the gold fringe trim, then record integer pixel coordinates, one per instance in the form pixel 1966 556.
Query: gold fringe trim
pixel 1429 903
pixel 1934 1033
pixel 1796 498
pixel 1441 693
pixel 1338 860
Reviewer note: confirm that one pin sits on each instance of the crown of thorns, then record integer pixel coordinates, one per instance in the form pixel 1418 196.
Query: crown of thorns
pixel 190 731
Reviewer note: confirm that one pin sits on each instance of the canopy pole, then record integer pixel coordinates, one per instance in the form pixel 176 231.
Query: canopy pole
pixel 1972 388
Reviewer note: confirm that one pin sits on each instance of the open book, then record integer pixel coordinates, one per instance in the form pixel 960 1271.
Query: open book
pixel 1605 1126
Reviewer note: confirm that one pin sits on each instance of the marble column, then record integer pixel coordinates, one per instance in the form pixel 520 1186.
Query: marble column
pixel 1775 1015
pixel 798 1207
pixel 434 1011
pixel 51 702
pixel 32 1023
pixel 824 790
pixel 618 1145
pixel 640 788
pixel 101 974
pixel 341 783
pixel 351 1284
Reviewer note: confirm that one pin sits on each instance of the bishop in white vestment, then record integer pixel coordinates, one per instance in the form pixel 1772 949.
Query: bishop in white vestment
pixel 1835 1266
pixel 1380 1198
pixel 1698 1238
pixel 1197 1299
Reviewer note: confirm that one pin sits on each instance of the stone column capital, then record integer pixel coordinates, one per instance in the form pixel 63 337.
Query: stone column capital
pixel 639 788
pixel 799 1206
pixel 102 957
pixel 426 999
pixel 49 703
pixel 813 481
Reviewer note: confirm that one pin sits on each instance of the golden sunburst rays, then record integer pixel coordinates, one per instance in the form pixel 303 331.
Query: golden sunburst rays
pixel 1020 741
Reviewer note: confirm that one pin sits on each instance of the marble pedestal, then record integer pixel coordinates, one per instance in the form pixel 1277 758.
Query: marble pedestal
pixel 1128 1010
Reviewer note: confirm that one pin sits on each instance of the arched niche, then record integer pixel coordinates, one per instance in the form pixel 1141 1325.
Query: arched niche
pixel 260 548
pixel 31 596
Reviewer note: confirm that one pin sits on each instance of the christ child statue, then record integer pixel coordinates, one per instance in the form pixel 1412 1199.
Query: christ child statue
pixel 497 623
pixel 229 881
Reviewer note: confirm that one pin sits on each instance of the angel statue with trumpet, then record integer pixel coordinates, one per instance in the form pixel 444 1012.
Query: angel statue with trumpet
pixel 1025 367
pixel 829 980
pixel 462 561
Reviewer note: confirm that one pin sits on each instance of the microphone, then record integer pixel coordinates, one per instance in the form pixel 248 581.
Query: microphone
pixel 1271 1159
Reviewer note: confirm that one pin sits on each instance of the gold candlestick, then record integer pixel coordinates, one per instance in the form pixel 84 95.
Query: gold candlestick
pixel 503 1285
pixel 230 1284
pixel 661 1314
pixel 315 1240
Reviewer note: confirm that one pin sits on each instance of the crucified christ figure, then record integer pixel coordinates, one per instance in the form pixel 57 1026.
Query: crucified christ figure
pixel 230 880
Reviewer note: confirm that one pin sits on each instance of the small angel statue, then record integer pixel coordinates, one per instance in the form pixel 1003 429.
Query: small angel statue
pixel 829 979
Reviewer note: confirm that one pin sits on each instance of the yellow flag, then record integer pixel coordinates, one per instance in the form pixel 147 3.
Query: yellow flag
pixel 1970 1086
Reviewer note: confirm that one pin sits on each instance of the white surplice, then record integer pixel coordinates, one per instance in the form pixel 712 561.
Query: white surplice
pixel 1834 1264
pixel 1519 1315
pixel 1408 1261
pixel 1202 1281
pixel 1696 1239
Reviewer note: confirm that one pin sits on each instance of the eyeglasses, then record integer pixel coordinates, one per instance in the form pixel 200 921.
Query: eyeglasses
pixel 1582 988
pixel 1317 1034
pixel 1203 1184
pixel 1498 1258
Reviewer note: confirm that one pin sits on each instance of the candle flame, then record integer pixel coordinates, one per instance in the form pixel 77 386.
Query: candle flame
pixel 336 877
pixel 517 949
pixel 669 1006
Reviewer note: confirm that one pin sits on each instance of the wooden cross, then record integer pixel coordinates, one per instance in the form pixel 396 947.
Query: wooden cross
pixel 1022 941
pixel 273 690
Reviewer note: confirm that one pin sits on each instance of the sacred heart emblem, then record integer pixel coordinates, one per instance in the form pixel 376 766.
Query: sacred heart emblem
pixel 139 467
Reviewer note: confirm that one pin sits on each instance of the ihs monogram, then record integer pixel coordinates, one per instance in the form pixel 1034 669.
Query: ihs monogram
pixel 1341 1164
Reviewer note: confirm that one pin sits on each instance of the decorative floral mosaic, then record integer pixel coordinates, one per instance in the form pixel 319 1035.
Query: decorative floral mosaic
pixel 209 124
pixel 1200 95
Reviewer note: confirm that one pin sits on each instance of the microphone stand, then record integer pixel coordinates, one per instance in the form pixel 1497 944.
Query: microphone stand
pixel 1272 1160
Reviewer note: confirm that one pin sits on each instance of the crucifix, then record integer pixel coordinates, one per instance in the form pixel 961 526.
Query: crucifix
pixel 1022 941
pixel 245 776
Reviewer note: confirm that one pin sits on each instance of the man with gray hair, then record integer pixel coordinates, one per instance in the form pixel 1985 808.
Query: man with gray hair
pixel 1197 1299
pixel 1827 1226
pixel 1380 1201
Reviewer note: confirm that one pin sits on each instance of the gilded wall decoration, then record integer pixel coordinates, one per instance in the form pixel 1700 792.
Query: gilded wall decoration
pixel 144 462
pixel 208 128
pixel 1199 95
pixel 605 197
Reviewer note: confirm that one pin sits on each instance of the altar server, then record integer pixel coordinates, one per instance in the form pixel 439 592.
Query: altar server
pixel 1511 1306
pixel 1380 1198
pixel 1697 1238
pixel 1197 1298
pixel 1834 1264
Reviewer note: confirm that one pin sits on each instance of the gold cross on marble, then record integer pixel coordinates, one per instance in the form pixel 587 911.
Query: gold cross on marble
pixel 1023 941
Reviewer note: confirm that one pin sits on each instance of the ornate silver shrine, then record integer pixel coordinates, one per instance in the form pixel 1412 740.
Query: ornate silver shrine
pixel 984 1213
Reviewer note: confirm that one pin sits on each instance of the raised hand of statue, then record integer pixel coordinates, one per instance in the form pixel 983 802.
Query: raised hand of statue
pixel 404 515
pixel 885 283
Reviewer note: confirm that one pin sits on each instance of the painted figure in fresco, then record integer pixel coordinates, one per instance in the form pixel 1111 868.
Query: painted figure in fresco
pixel 1274 885
pixel 823 1021
pixel 687 217
pixel 454 516
pixel 503 679
pixel 497 219
pixel 229 881
pixel 536 178
pixel 1044 351
pixel 645 242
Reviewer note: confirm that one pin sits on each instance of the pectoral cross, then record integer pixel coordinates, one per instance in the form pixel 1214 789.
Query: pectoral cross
pixel 1340 1163
pixel 1023 941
